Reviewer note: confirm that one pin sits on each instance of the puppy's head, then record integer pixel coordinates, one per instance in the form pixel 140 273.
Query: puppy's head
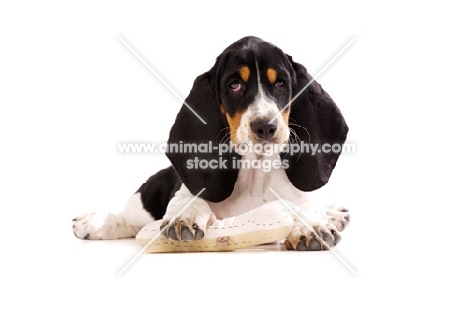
pixel 246 96
pixel 254 85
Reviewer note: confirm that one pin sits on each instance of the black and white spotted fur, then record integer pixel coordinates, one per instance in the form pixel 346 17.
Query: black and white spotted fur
pixel 251 84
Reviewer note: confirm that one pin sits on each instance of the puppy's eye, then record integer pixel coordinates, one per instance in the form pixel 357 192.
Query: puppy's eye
pixel 235 86
pixel 280 83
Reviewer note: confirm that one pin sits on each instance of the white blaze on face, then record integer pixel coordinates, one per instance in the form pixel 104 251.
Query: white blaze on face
pixel 263 108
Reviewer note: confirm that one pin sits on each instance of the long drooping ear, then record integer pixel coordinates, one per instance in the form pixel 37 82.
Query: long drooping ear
pixel 314 119
pixel 198 166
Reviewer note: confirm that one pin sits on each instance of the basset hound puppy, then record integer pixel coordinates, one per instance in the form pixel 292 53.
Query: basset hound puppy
pixel 259 102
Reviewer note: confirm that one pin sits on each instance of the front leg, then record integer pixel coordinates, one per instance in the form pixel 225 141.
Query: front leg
pixel 314 229
pixel 185 220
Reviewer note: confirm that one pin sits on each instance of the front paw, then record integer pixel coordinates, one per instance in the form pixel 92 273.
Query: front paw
pixel 182 230
pixel 323 237
pixel 190 225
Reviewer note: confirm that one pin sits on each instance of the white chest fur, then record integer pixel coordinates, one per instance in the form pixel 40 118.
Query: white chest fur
pixel 252 188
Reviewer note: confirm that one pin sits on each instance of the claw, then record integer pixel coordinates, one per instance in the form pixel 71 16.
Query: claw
pixel 314 245
pixel 186 234
pixel 199 234
pixel 288 245
pixel 301 246
pixel 172 233
pixel 328 239
pixel 337 236
pixel 162 230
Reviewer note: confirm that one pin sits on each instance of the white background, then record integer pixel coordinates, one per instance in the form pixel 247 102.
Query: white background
pixel 70 91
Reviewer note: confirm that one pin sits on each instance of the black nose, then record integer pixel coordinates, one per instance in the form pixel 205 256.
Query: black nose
pixel 263 129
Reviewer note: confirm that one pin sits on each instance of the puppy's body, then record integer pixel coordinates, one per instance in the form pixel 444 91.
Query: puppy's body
pixel 246 100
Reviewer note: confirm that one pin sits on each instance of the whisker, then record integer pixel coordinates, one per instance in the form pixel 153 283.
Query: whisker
pixel 226 129
pixel 226 138
pixel 293 139
pixel 297 125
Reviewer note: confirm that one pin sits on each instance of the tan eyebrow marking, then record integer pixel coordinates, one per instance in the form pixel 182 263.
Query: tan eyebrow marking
pixel 272 74
pixel 244 73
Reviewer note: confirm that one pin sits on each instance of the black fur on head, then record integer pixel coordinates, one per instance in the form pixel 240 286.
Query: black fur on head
pixel 313 118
